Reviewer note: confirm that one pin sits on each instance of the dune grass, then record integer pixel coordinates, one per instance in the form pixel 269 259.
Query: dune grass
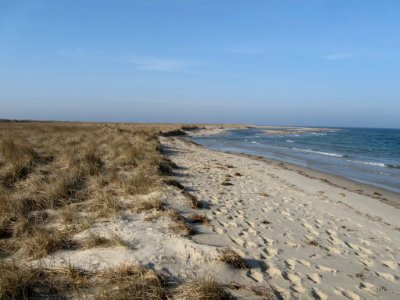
pixel 19 281
pixel 202 219
pixel 232 258
pixel 57 179
pixel 203 288
pixel 54 172
pixel 130 282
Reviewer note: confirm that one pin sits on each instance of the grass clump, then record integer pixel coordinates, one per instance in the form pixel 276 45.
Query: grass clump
pixel 174 183
pixel 180 225
pixel 131 282
pixel 166 167
pixel 205 288
pixel 193 199
pixel 154 204
pixel 196 218
pixel 18 159
pixel 95 240
pixel 44 242
pixel 26 282
pixel 233 259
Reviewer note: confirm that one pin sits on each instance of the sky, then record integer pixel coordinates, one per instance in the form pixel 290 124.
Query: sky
pixel 280 62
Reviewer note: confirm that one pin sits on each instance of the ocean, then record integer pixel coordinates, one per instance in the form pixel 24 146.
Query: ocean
pixel 366 155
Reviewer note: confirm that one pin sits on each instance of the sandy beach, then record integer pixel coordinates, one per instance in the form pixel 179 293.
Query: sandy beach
pixel 215 223
pixel 199 150
pixel 302 235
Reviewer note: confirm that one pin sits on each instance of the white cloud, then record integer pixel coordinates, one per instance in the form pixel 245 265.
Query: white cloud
pixel 159 64
pixel 141 62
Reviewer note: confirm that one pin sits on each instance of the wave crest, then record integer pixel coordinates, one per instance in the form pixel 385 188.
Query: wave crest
pixel 319 152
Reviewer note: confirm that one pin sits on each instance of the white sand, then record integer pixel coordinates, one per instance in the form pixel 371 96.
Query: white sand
pixel 300 236
pixel 304 237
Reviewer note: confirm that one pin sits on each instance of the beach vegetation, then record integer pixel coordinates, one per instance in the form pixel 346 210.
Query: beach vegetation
pixel 203 288
pixel 232 258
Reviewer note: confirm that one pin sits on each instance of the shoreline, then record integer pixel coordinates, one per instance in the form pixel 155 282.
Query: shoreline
pixel 376 192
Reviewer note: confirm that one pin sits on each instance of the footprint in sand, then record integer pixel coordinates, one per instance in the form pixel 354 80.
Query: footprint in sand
pixel 251 224
pixel 366 262
pixel 331 232
pixel 304 262
pixel 272 271
pixel 251 231
pixel 314 277
pixel 222 224
pixel 326 269
pixel 220 230
pixel 365 242
pixel 389 264
pixel 298 288
pixel 317 294
pixel 290 263
pixel 387 276
pixel 335 241
pixel 267 240
pixel 295 281
pixel 310 228
pixel 256 275
pixel 293 245
pixel 237 241
pixel 281 292
pixel 270 251
pixel 361 251
pixel 335 250
pixel 232 224
pixel 348 294
pixel 251 244
pixel 292 278
pixel 370 288
pixel 243 233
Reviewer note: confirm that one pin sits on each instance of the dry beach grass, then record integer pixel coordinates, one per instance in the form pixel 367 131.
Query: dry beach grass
pixel 58 180
pixel 52 174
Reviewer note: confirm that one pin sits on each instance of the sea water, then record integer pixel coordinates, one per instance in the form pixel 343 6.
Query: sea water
pixel 366 155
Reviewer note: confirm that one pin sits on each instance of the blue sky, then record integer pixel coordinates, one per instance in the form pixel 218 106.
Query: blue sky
pixel 298 62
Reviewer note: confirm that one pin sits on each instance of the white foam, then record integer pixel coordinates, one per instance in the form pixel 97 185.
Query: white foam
pixel 370 163
pixel 319 152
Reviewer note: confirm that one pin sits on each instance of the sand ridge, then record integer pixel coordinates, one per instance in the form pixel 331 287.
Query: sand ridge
pixel 303 237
